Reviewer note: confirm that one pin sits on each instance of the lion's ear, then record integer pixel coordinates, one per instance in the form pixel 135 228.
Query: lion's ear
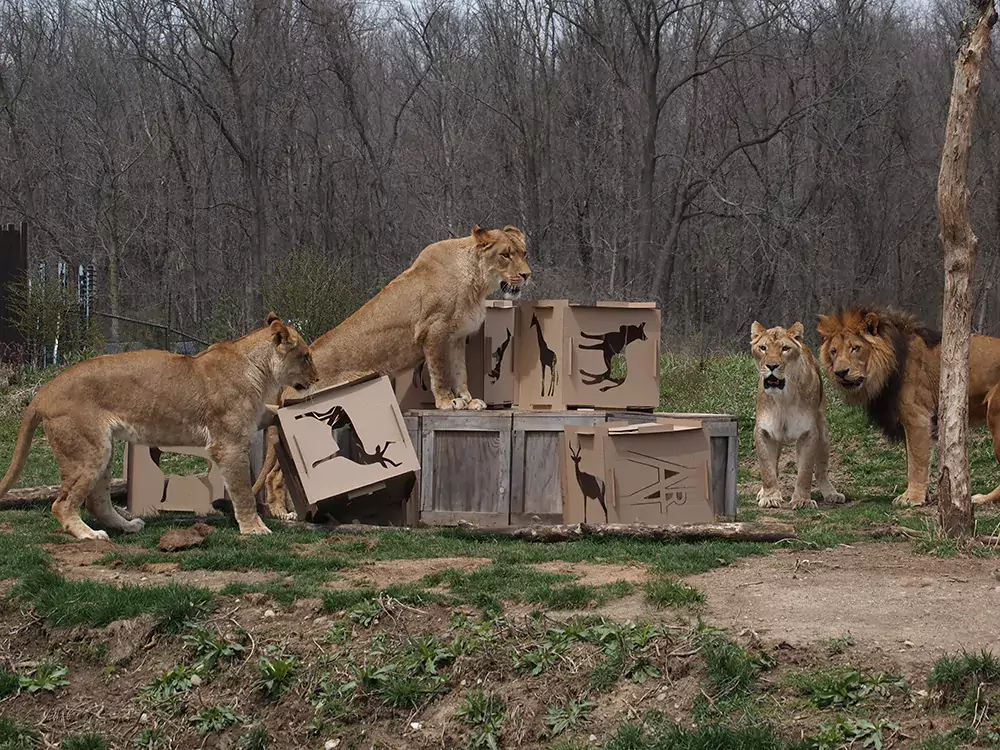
pixel 827 326
pixel 796 331
pixel 871 323
pixel 481 236
pixel 279 331
pixel 271 317
pixel 756 330
pixel 511 229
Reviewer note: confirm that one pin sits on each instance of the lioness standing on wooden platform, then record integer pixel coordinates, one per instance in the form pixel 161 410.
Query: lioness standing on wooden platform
pixel 424 313
pixel 791 408
pixel 212 399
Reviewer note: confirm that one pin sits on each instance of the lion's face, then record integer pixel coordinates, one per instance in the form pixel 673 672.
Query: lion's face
pixel 505 258
pixel 776 351
pixel 847 348
pixel 293 363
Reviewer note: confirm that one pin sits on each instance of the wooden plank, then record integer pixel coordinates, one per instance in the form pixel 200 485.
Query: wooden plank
pixel 732 469
pixel 719 475
pixel 412 512
pixel 470 471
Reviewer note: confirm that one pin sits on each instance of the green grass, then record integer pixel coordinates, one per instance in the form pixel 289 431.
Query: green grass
pixel 958 680
pixel 84 742
pixel 663 592
pixel 15 735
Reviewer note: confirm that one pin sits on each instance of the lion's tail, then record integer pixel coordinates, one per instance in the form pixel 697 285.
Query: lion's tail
pixel 29 424
pixel 992 398
pixel 270 459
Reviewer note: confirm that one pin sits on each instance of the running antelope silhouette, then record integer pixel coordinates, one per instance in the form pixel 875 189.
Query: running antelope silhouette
pixel 590 486
pixel 335 418
pixel 611 344
pixel 546 357
pixel 498 358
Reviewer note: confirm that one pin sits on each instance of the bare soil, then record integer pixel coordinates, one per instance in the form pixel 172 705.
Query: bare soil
pixel 884 595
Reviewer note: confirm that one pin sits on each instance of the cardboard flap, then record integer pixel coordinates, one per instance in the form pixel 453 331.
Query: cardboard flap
pixel 645 428
pixel 324 391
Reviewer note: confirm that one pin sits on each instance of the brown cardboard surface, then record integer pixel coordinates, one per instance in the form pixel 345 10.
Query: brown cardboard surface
pixel 348 439
pixel 489 362
pixel 571 355
pixel 652 473
pixel 151 491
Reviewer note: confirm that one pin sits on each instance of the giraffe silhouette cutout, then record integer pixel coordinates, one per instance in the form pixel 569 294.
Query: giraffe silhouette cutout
pixel 498 358
pixel 335 418
pixel 611 344
pixel 590 486
pixel 547 358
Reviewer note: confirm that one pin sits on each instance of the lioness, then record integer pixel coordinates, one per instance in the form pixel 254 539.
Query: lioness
pixel 424 313
pixel 890 363
pixel 212 399
pixel 791 408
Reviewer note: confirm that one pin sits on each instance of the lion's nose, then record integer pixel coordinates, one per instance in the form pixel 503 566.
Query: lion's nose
pixel 525 275
pixel 841 373
pixel 771 367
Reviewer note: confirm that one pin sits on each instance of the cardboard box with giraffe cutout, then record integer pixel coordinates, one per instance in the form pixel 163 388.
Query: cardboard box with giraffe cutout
pixel 652 473
pixel 489 361
pixel 603 356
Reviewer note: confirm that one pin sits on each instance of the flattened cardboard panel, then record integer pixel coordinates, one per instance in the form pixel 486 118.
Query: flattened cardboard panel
pixel 615 356
pixel 658 474
pixel 347 439
pixel 150 491
pixel 541 354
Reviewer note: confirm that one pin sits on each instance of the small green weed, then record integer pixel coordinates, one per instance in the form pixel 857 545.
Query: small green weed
pixel 366 612
pixel 210 647
pixel 664 592
pixel 256 739
pixel 172 683
pixel 84 742
pixel 562 718
pixel 837 646
pixel 863 733
pixel 486 714
pixel 150 739
pixel 276 674
pixel 842 687
pixel 215 719
pixel 48 676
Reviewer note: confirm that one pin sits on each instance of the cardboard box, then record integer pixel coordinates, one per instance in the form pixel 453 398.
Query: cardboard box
pixel 489 362
pixel 151 491
pixel 652 473
pixel 603 356
pixel 344 442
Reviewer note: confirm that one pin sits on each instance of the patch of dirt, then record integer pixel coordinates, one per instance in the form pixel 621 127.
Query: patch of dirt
pixel 76 562
pixel 190 536
pixel 597 575
pixel 917 606
pixel 385 573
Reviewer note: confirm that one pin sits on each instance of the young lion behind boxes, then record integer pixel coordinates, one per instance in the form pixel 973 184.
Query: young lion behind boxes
pixel 154 397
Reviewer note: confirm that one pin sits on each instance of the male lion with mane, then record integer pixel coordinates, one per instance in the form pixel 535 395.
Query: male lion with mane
pixel 889 363
pixel 212 399
pixel 425 313
pixel 791 408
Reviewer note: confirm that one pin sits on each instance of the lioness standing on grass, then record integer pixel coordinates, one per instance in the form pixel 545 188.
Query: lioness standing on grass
pixel 424 313
pixel 791 408
pixel 212 399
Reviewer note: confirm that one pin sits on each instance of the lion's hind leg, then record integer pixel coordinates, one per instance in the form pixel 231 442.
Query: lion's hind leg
pixel 822 471
pixel 82 450
pixel 805 460
pixel 99 505
pixel 993 420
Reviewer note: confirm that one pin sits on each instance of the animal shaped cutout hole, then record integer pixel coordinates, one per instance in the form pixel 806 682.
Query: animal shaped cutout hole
pixel 612 346
pixel 498 355
pixel 590 486
pixel 546 358
pixel 341 426
pixel 179 464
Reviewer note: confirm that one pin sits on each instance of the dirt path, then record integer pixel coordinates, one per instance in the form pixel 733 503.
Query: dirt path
pixel 882 594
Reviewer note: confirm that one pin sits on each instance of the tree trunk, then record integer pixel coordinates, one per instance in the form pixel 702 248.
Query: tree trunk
pixel 954 494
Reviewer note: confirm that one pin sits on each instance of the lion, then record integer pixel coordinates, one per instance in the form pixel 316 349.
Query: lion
pixel 213 399
pixel 889 363
pixel 791 408
pixel 425 313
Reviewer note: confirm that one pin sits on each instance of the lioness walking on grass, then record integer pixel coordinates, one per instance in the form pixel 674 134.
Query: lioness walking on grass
pixel 212 399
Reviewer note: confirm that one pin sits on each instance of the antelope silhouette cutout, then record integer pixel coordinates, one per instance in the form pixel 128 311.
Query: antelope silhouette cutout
pixel 498 358
pixel 335 418
pixel 590 486
pixel 546 357
pixel 611 344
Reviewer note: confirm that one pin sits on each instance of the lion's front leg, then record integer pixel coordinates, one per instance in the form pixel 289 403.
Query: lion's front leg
pixel 768 451
pixel 805 459
pixel 918 459
pixel 437 356
pixel 460 376
pixel 235 466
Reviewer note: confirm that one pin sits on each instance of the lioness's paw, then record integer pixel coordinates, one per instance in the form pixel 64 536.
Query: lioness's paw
pixel 769 498
pixel 834 497
pixel 255 528
pixel 459 404
pixel 477 404
pixel 134 526
pixel 912 499
pixel 803 500
pixel 980 499
pixel 286 516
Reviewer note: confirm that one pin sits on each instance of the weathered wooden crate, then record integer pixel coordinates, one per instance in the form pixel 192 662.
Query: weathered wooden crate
pixel 465 467
pixel 722 433
pixel 412 510
pixel 536 490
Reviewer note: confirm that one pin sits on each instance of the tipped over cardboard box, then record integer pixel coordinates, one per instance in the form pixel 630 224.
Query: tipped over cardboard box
pixel 489 362
pixel 150 489
pixel 346 445
pixel 603 356
pixel 652 473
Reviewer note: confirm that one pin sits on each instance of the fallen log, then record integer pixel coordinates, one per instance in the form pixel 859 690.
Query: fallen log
pixel 33 497
pixel 737 532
